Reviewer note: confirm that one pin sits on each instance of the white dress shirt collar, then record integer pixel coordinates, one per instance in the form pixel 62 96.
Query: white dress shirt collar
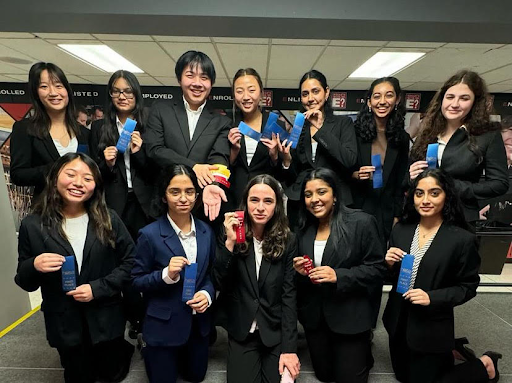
pixel 180 232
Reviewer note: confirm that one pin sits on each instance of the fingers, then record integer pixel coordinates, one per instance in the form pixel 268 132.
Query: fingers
pixel 281 366
pixel 417 168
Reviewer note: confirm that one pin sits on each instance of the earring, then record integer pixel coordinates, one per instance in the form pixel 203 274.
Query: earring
pixel 396 106
pixel 369 109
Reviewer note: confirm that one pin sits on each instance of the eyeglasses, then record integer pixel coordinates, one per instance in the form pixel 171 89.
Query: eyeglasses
pixel 175 194
pixel 128 93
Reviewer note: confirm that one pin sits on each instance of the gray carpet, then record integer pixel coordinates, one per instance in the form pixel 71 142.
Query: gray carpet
pixel 25 356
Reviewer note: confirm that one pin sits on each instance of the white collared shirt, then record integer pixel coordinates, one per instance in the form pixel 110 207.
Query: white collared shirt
pixel 192 117
pixel 258 257
pixel 126 155
pixel 442 146
pixel 189 243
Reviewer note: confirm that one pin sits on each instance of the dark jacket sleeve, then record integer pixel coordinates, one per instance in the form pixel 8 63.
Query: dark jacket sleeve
pixel 224 268
pixel 107 173
pixel 144 277
pixel 112 284
pixel 496 173
pixel 207 281
pixel 289 301
pixel 156 149
pixel 220 152
pixel 27 277
pixel 467 266
pixel 371 270
pixel 24 172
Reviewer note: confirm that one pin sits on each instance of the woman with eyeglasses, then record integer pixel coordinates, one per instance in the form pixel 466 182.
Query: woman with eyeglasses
pixel 52 130
pixel 176 328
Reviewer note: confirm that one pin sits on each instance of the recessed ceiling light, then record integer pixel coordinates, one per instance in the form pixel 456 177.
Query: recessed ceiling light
pixel 100 56
pixel 384 64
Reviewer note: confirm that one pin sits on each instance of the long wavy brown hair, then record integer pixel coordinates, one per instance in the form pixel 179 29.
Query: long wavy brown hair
pixel 476 122
pixel 50 204
pixel 276 232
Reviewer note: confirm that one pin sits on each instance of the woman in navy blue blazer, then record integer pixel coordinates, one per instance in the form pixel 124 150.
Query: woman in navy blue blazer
pixel 176 331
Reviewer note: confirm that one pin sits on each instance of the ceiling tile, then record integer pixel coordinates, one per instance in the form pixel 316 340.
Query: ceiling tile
pixel 177 49
pixel 411 44
pixel 97 79
pixel 147 80
pixel 498 88
pixel 76 80
pixel 498 75
pixel 221 82
pixel 11 69
pixel 357 43
pixel 236 56
pixel 288 62
pixel 472 46
pixel 426 86
pixel 65 36
pixel 16 35
pixel 299 42
pixel 146 55
pixel 183 39
pixel 240 40
pixel 15 78
pixel 111 37
pixel 168 81
pixel 290 84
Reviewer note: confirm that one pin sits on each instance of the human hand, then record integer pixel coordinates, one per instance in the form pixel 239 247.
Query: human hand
pixel 176 264
pixel 271 144
pixel 285 148
pixel 393 255
pixel 136 142
pixel 291 362
pixel 48 262
pixel 234 137
pixel 199 302
pixel 204 174
pixel 417 168
pixel 323 274
pixel 417 297
pixel 213 195
pixel 365 172
pixel 110 154
pixel 82 293
pixel 298 265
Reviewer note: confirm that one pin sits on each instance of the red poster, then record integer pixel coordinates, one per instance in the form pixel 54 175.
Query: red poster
pixel 339 100
pixel 267 99
pixel 412 101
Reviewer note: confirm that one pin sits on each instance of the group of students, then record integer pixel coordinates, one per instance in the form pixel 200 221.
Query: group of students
pixel 169 214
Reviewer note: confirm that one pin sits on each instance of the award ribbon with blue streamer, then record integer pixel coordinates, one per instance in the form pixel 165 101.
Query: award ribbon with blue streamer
pixel 377 174
pixel 68 274
pixel 297 129
pixel 189 283
pixel 432 151
pixel 126 135
pixel 246 130
pixel 276 129
pixel 82 148
pixel 404 279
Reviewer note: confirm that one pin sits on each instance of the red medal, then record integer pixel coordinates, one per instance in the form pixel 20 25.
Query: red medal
pixel 240 230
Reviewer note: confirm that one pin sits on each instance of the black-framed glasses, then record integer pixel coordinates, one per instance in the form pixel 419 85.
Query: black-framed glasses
pixel 128 93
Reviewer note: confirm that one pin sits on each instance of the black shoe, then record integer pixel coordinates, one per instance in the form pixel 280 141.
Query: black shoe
pixel 464 351
pixel 494 357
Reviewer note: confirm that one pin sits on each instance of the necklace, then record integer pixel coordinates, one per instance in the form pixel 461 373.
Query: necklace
pixel 424 235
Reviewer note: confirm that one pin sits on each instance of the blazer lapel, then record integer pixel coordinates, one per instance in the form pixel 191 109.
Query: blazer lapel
pixel 308 151
pixel 264 269
pixel 171 239
pixel 308 242
pixel 389 162
pixel 181 116
pixel 366 153
pixel 89 241
pixel 202 123
pixel 201 250
pixel 328 252
pixel 243 153
pixel 50 146
pixel 68 250
pixel 250 264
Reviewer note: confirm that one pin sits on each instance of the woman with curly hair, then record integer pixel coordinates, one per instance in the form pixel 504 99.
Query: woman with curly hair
pixel 257 302
pixel 380 130
pixel 469 144
pixel 420 323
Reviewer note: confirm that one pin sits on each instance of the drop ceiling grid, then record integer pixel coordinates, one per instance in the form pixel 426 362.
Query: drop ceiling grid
pixel 236 56
pixel 289 62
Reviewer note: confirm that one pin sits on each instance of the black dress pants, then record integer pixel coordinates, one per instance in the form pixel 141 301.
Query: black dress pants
pixel 251 361
pixel 339 357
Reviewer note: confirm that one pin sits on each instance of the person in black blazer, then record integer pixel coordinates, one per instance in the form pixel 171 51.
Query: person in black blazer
pixel 469 145
pixel 183 131
pixel 175 331
pixel 326 141
pixel 420 323
pixel 380 130
pixel 257 301
pixel 333 298
pixel 248 157
pixel 52 130
pixel 87 324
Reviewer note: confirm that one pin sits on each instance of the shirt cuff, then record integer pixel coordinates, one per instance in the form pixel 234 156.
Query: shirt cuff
pixel 286 167
pixel 207 296
pixel 167 279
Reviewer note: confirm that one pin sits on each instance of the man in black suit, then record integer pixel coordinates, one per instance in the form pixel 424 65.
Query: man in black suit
pixel 185 132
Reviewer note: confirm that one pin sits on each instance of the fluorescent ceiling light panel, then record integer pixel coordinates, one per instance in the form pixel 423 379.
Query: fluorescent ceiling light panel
pixel 100 56
pixel 384 64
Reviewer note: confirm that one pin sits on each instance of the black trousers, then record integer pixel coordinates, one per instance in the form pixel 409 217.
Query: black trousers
pixel 251 361
pixel 411 366
pixel 339 357
pixel 106 361
pixel 164 364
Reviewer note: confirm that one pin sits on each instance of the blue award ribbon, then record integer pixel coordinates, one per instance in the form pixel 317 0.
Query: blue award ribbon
pixel 377 174
pixel 432 151
pixel 126 135
pixel 83 149
pixel 189 283
pixel 297 129
pixel 404 279
pixel 68 274
pixel 276 129
pixel 246 130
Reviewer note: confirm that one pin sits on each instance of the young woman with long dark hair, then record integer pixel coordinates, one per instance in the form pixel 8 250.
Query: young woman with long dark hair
pixel 87 324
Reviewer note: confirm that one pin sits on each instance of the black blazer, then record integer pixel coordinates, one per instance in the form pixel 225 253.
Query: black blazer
pixel 270 299
pixel 116 186
pixel 32 157
pixel 168 136
pixel 384 203
pixel 106 269
pixel 242 173
pixel 346 306
pixel 448 272
pixel 336 150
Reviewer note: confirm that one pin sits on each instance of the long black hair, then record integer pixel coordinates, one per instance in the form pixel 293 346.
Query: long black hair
pixel 50 204
pixel 365 125
pixel 41 121
pixel 159 205
pixel 452 212
pixel 319 76
pixel 276 231
pixel 109 132
pixel 339 210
